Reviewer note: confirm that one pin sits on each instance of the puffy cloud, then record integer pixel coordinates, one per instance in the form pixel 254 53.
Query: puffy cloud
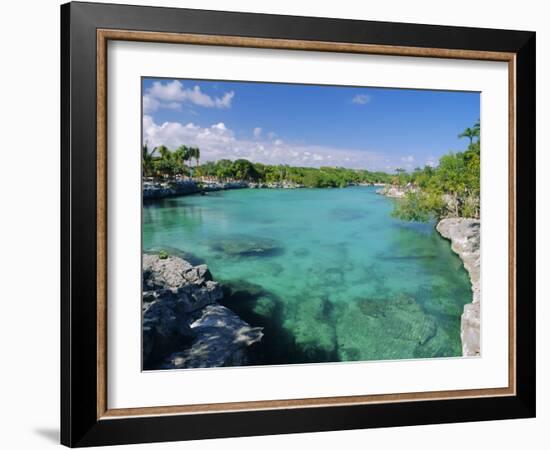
pixel 218 141
pixel 220 126
pixel 408 159
pixel 150 104
pixel 361 99
pixel 173 94
pixel 173 134
pixel 197 97
pixel 257 132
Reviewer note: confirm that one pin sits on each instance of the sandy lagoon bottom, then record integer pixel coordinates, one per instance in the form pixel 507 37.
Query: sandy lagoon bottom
pixel 328 273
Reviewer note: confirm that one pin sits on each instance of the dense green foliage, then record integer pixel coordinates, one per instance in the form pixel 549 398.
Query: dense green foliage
pixel 164 163
pixel 449 190
pixel 242 169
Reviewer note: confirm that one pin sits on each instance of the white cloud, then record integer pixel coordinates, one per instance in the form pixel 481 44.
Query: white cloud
pixel 197 97
pixel 173 94
pixel 361 99
pixel 150 104
pixel 431 161
pixel 257 132
pixel 408 162
pixel 218 141
pixel 219 126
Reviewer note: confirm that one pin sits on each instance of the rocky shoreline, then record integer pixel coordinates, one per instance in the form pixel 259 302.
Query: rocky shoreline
pixel 394 191
pixel 153 190
pixel 184 326
pixel 162 189
pixel 464 235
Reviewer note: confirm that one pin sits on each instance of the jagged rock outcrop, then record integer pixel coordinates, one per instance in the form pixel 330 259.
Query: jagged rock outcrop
pixel 221 339
pixel 161 189
pixel 154 189
pixel 464 235
pixel 181 316
pixel 395 191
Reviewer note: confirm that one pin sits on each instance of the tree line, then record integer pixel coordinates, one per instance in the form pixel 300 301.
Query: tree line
pixel 161 162
pixel 450 189
pixel 242 169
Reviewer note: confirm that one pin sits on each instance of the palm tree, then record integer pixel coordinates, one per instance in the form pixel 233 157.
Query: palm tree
pixel 182 154
pixel 163 152
pixel 147 160
pixel 470 133
pixel 165 162
pixel 477 129
pixel 196 154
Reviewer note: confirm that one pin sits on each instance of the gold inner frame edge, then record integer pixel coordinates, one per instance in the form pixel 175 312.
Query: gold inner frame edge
pixel 103 36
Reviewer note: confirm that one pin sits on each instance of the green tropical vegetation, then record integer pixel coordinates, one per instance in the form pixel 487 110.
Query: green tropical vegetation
pixel 242 169
pixel 450 189
pixel 161 162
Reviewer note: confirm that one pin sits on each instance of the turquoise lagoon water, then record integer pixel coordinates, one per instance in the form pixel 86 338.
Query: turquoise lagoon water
pixel 328 273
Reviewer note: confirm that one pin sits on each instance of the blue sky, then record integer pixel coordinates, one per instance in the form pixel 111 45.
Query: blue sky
pixel 305 125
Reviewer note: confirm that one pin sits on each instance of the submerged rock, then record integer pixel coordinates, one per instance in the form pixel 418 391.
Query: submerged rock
pixel 245 246
pixel 396 327
pixel 301 252
pixel 346 214
pixel 313 325
pixel 464 235
pixel 179 308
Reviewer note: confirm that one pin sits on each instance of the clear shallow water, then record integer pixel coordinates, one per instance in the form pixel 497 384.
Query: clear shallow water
pixel 328 272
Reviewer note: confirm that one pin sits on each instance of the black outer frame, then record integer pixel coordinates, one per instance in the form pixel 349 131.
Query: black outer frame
pixel 79 423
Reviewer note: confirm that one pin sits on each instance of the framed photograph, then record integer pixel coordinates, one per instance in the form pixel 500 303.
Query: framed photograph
pixel 276 224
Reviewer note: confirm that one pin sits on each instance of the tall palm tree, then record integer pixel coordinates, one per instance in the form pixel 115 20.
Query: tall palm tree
pixel 165 162
pixel 182 154
pixel 477 129
pixel 163 151
pixel 196 155
pixel 147 160
pixel 469 133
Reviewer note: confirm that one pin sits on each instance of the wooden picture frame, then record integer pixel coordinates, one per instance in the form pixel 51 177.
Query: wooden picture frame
pixel 86 418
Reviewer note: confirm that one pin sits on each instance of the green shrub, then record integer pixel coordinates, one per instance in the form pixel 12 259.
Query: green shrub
pixel 419 207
